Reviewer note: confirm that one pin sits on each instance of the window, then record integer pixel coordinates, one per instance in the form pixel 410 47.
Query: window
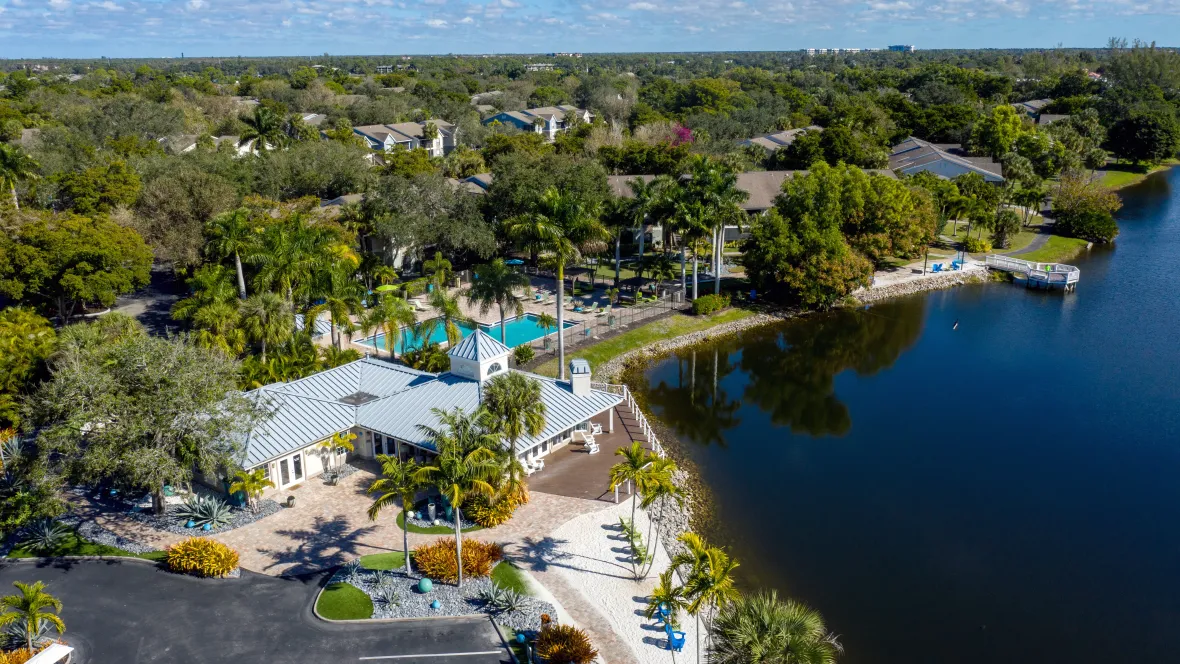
pixel 297 461
pixel 494 368
pixel 284 473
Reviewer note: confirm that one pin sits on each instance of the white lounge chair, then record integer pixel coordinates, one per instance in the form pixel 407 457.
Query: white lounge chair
pixel 539 464
pixel 592 448
pixel 595 428
pixel 418 306
pixel 528 468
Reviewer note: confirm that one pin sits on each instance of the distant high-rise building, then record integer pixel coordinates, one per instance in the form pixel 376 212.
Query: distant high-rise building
pixel 903 48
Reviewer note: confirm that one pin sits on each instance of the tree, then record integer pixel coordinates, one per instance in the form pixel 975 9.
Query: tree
pixel 267 319
pixel 495 285
pixel 232 234
pixel 341 440
pixel 634 469
pixel 712 188
pixel 294 250
pixel 213 309
pixel 513 401
pixel 168 407
pixel 252 483
pixel 1085 209
pixel 708 577
pixel 997 133
pixel 31 608
pixel 761 629
pixel 63 261
pixel 408 163
pixel 399 483
pixel 1147 134
pixel 463 162
pixel 389 315
pixel 447 314
pixel 439 268
pixel 458 473
pixel 264 129
pixel 175 207
pixel 26 343
pixel 661 491
pixel 341 294
pixel 561 227
pixel 98 189
pixel 427 210
pixel 15 166
pixel 1006 224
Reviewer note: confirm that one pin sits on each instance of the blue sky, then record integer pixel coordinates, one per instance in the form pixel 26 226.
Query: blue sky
pixel 158 28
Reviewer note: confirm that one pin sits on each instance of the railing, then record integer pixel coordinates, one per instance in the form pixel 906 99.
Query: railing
pixel 649 435
pixel 590 326
pixel 1048 273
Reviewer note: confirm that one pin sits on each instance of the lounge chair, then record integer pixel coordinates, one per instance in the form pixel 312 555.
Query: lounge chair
pixel 591 309
pixel 675 639
pixel 418 306
pixel 539 464
pixel 595 428
pixel 591 448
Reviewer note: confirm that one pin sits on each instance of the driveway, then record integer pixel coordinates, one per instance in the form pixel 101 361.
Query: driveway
pixel 152 305
pixel 136 613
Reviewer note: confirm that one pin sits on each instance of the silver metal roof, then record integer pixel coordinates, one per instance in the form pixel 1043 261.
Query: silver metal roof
pixel 579 366
pixel 479 345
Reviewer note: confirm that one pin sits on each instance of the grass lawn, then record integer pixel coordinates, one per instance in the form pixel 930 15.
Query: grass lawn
pixel 341 601
pixel 506 575
pixel 384 561
pixel 432 530
pixel 1117 176
pixel 643 335
pixel 1058 249
pixel 78 546
pixel 517 648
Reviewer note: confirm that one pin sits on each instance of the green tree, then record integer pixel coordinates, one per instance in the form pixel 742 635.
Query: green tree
pixel 65 260
pixel 293 251
pixel 761 629
pixel 31 608
pixel 495 285
pixel 408 163
pixel 252 483
pixel 448 315
pixel 26 343
pixel 168 406
pixel 1085 209
pixel 561 227
pixel 98 189
pixel 15 166
pixel 463 162
pixel 267 320
pixel 399 483
pixel 264 129
pixel 997 133
pixel 439 268
pixel 232 234
pixel 1147 134
pixel 213 309
pixel 635 470
pixel 341 294
pixel 513 401
pixel 708 578
pixel 389 315
pixel 1006 224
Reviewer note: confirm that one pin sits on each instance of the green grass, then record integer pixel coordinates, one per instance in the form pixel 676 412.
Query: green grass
pixel 518 649
pixel 641 336
pixel 341 601
pixel 432 530
pixel 73 545
pixel 1117 176
pixel 1058 249
pixel 507 575
pixel 384 561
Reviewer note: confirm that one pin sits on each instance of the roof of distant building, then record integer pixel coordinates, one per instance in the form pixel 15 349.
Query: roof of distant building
pixel 781 139
pixel 914 155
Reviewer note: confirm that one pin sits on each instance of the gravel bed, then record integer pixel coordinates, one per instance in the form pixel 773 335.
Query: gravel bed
pixel 440 514
pixel 99 535
pixel 452 601
pixel 343 471
pixel 171 522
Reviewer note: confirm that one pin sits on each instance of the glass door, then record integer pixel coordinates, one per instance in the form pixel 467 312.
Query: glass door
pixel 297 462
pixel 284 473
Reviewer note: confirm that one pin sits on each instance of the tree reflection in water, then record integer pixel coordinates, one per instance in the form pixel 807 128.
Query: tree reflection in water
pixel 786 370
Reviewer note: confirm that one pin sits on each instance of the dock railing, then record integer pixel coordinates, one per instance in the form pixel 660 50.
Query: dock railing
pixel 629 399
pixel 1051 274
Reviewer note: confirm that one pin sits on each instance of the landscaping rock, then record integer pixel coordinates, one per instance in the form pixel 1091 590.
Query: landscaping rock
pixel 171 522
pixel 925 283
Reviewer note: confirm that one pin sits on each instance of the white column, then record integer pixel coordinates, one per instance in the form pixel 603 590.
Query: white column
pixel 611 428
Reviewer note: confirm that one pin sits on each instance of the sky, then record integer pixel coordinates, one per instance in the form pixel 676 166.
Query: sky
pixel 198 28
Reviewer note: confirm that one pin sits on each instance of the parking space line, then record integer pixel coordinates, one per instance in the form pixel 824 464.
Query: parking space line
pixel 445 654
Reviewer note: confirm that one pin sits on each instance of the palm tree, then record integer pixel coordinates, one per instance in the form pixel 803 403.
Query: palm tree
pixel 448 314
pixel 458 474
pixel 496 284
pixel 32 607
pixel 708 574
pixel 562 226
pixel 648 197
pixel 666 593
pixel 341 293
pixel 230 234
pixel 439 268
pixel 546 322
pixel 341 440
pixel 634 468
pixel 399 482
pixel 761 629
pixel 252 484
pixel 15 166
pixel 291 253
pixel 389 315
pixel 212 309
pixel 267 319
pixel 514 402
pixel 660 490
pixel 265 128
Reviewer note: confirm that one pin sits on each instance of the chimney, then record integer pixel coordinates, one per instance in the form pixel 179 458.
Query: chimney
pixel 580 378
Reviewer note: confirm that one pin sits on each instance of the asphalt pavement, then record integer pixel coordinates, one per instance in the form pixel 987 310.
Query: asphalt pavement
pixel 126 612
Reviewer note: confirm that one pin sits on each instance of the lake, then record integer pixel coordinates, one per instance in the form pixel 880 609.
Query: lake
pixel 1008 491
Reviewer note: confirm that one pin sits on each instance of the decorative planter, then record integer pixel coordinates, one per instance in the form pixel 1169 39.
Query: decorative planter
pixel 290 501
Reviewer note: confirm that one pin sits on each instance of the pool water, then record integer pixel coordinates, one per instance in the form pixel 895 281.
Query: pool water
pixel 520 330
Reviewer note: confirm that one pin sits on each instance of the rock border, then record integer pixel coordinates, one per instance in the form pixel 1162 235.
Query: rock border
pixel 920 285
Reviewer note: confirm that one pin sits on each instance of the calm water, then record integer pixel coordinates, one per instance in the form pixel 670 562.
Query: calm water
pixel 1005 492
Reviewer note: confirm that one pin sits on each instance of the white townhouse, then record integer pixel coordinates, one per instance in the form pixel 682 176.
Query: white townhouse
pixel 546 120
pixel 410 135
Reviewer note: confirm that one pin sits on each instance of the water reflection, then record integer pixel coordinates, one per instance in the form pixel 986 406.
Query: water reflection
pixel 786 371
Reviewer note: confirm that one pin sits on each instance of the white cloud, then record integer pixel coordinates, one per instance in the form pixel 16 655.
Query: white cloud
pixel 196 4
pixel 437 23
pixel 107 5
pixel 641 6
pixel 509 3
pixel 467 20
pixel 59 4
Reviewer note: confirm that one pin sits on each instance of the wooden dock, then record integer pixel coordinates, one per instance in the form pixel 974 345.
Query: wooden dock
pixel 1037 275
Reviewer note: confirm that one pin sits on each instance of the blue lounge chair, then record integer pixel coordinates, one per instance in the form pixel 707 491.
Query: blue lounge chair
pixel 675 639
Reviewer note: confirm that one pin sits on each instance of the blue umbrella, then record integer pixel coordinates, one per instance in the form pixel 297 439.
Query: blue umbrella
pixel 514 261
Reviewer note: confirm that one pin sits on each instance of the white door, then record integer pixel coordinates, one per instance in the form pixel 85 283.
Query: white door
pixel 291 470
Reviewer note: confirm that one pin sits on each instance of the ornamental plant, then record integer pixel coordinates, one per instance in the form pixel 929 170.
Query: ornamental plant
pixel 707 304
pixel 200 556
pixel 565 644
pixel 437 560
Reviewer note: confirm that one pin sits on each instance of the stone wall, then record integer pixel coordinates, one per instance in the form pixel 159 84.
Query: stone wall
pixel 926 283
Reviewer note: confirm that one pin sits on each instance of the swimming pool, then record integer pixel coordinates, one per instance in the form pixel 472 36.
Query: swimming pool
pixel 520 330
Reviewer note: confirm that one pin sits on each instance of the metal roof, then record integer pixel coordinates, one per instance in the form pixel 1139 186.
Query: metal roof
pixel 479 345
pixel 579 366
pixel 294 422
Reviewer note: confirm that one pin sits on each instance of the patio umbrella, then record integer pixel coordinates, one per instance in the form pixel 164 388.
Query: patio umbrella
pixel 514 261
pixel 385 288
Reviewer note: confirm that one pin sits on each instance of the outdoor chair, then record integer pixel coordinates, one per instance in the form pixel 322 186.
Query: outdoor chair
pixel 937 267
pixel 675 639
pixel 595 428
pixel 539 465
pixel 592 448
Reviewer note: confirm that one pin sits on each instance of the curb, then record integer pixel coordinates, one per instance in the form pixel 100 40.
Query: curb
pixel 155 563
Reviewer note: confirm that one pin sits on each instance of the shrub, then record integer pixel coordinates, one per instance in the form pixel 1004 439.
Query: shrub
pixel 437 560
pixel 201 510
pixel 44 536
pixel 491 514
pixel 18 656
pixel 1090 225
pixel 977 246
pixel 523 354
pixel 201 557
pixel 707 304
pixel 565 644
pixel 500 599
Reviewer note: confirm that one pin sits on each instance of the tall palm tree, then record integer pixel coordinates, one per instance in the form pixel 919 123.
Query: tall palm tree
pixel 230 234
pixel 495 285
pixel 635 468
pixel 399 483
pixel 32 607
pixel 15 166
pixel 616 217
pixel 212 309
pixel 562 226
pixel 661 490
pixel 291 253
pixel 761 629
pixel 458 474
pixel 341 293
pixel 708 574
pixel 341 440
pixel 265 128
pixel 648 197
pixel 514 402
pixel 439 268
pixel 447 314
pixel 389 315
pixel 267 320
pixel 252 484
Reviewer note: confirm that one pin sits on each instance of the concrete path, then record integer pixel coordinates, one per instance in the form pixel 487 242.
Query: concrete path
pixel 135 613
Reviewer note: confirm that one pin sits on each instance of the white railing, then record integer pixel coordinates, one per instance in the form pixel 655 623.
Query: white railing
pixel 1049 273
pixel 649 434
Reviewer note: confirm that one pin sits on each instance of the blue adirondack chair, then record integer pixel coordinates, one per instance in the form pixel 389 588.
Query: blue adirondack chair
pixel 937 267
pixel 675 640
